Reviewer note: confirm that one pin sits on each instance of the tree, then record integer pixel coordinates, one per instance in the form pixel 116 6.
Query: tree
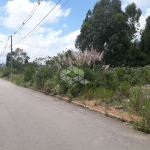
pixel 19 58
pixel 133 15
pixel 145 38
pixel 116 52
pixel 85 38
pixel 94 31
pixel 107 28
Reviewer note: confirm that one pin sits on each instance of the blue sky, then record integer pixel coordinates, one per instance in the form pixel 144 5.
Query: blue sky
pixel 59 30
pixel 73 20
pixel 79 9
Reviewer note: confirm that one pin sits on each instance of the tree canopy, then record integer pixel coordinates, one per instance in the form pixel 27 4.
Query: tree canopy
pixel 115 32
pixel 19 58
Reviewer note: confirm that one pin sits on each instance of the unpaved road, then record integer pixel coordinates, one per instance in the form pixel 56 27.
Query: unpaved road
pixel 30 120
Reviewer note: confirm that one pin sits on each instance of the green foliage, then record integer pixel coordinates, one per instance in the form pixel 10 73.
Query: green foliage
pixel 140 105
pixel 145 38
pixel 136 102
pixel 106 95
pixel 120 73
pixel 103 85
pixel 19 58
pixel 1 73
pixel 121 47
pixel 7 71
pixel 96 26
pixel 133 15
pixel 110 80
pixel 74 90
pixel 47 86
pixel 18 79
pixel 41 76
pixel 88 94
pixel 29 71
pixel 124 89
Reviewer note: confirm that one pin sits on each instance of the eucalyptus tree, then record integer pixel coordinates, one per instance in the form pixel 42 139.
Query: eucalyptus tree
pixel 107 28
pixel 19 58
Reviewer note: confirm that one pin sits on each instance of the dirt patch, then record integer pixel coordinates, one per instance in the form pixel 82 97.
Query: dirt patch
pixel 111 110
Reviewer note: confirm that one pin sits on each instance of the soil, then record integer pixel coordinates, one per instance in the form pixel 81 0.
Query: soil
pixel 110 109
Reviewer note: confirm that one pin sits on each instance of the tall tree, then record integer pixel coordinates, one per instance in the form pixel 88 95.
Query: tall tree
pixel 19 58
pixel 85 38
pixel 133 15
pixel 117 48
pixel 94 29
pixel 145 38
pixel 107 28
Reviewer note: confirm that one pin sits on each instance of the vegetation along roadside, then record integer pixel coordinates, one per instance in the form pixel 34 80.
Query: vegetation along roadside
pixel 111 58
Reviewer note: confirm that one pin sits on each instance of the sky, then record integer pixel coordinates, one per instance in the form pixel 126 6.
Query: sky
pixel 57 32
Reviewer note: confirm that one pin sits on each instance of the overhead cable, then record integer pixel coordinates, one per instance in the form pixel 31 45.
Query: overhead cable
pixel 6 44
pixel 38 23
pixel 28 18
pixel 63 5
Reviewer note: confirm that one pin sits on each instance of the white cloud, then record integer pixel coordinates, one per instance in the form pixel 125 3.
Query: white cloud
pixel 143 18
pixel 64 25
pixel 139 3
pixel 45 41
pixel 39 45
pixel 18 10
pixel 143 5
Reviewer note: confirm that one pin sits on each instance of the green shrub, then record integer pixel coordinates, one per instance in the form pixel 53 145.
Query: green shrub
pixel 47 86
pixel 120 73
pixel 75 89
pixel 136 100
pixel 6 72
pixel 124 89
pixel 18 79
pixel 110 80
pixel 140 105
pixel 29 71
pixel 41 76
pixel 55 89
pixel 106 95
pixel 87 94
pixel 1 72
pixel 145 112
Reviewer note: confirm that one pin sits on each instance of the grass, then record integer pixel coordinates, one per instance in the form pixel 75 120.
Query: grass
pixel 118 87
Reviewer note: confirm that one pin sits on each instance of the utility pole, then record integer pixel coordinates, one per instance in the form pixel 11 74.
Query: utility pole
pixel 11 57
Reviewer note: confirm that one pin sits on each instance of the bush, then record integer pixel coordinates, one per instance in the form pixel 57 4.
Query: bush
pixel 41 76
pixel 106 95
pixel 124 89
pixel 136 100
pixel 120 72
pixel 110 80
pixel 18 79
pixel 140 105
pixel 47 86
pixel 75 89
pixel 6 72
pixel 29 71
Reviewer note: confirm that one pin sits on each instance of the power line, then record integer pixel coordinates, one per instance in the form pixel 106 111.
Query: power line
pixel 33 11
pixel 5 46
pixel 29 17
pixel 39 23
pixel 2 42
pixel 63 5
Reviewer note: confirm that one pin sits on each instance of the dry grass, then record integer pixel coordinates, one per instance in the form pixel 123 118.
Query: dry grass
pixel 120 113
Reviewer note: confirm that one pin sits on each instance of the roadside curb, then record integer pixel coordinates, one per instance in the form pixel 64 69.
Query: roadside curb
pixel 92 109
pixel 82 105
